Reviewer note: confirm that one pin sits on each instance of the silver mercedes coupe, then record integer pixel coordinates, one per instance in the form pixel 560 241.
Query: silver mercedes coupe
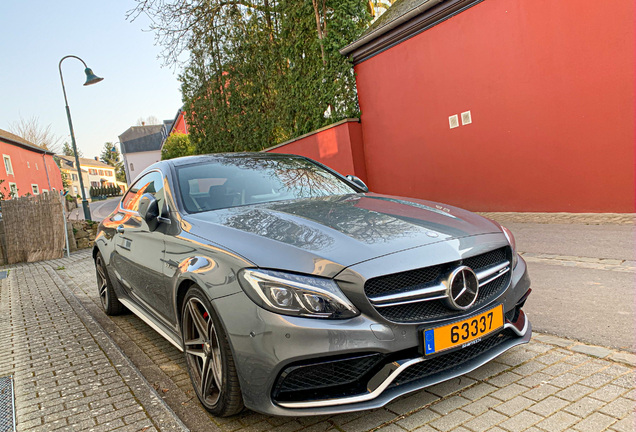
pixel 293 290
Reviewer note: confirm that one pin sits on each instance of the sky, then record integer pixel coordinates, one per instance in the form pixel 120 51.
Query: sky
pixel 37 34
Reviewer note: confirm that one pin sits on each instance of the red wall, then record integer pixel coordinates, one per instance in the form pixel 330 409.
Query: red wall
pixel 550 85
pixel 26 174
pixel 338 146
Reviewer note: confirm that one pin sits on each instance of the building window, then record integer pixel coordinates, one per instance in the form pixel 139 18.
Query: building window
pixel 75 189
pixel 132 167
pixel 92 171
pixel 101 172
pixel 109 173
pixel 74 177
pixel 13 190
pixel 45 192
pixel 35 189
pixel 95 184
pixel 7 164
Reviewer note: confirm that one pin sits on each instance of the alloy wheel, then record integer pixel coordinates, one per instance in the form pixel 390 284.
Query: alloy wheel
pixel 203 351
pixel 102 282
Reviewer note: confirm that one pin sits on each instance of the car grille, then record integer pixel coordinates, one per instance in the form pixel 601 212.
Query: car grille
pixel 448 361
pixel 435 309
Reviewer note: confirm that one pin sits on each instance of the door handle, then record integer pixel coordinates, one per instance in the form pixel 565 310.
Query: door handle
pixel 170 263
pixel 120 229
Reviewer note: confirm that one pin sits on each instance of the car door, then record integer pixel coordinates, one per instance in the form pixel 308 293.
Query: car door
pixel 139 251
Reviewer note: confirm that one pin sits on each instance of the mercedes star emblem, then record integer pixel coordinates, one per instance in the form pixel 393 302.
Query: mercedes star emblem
pixel 462 288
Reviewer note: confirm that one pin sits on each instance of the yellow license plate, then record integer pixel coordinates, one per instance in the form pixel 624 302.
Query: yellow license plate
pixel 462 333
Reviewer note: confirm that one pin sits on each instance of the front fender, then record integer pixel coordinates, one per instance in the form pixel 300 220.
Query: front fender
pixel 213 271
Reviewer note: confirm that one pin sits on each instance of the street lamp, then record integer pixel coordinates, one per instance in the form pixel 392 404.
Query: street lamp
pixel 91 78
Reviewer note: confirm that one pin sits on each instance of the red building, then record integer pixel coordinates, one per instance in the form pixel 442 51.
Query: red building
pixel 26 168
pixel 178 125
pixel 501 105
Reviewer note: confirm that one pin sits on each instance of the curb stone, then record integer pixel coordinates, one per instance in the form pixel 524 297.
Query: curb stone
pixel 563 218
pixel 625 266
pixel 618 356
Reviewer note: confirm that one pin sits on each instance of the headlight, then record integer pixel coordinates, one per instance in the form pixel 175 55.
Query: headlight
pixel 513 244
pixel 291 294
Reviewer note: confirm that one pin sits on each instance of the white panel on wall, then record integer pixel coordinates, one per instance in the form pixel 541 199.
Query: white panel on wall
pixel 466 118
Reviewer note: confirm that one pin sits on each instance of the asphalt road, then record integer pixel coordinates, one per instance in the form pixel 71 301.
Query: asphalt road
pixel 572 299
pixel 99 209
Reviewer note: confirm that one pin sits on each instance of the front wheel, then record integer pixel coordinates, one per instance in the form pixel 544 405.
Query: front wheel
pixel 209 357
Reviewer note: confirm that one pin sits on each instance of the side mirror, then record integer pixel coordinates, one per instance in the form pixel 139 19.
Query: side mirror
pixel 149 210
pixel 359 183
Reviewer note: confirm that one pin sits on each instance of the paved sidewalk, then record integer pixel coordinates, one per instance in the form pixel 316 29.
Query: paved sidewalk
pixel 68 373
pixel 551 384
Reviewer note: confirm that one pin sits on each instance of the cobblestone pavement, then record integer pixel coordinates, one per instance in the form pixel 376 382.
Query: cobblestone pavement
pixel 68 374
pixel 551 384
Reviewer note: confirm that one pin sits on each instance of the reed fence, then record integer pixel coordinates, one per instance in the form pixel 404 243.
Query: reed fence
pixel 33 228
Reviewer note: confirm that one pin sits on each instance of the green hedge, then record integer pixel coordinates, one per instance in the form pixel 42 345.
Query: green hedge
pixel 105 191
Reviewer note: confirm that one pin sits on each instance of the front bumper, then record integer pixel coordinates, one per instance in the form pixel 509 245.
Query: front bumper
pixel 266 346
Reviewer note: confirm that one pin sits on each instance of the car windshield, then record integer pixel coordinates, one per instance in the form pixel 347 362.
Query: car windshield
pixel 235 181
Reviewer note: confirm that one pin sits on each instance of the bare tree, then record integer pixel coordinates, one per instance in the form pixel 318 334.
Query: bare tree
pixel 378 7
pixel 148 121
pixel 31 130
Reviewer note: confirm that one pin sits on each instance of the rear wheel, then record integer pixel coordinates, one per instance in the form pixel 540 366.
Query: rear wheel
pixel 209 357
pixel 110 303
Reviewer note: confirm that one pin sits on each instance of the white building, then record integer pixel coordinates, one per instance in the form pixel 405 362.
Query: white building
pixel 140 147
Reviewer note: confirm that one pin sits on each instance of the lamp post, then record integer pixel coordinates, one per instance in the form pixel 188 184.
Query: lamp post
pixel 91 78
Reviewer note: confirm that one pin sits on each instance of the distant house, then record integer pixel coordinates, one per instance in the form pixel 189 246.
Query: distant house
pixel 141 147
pixel 69 171
pixel 95 173
pixel 26 168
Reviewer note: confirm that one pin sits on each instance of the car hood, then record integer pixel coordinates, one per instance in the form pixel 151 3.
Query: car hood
pixel 324 235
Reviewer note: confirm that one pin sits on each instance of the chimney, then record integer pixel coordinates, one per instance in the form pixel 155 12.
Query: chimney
pixel 143 123
pixel 96 158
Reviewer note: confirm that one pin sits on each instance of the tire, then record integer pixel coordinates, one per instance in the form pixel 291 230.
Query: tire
pixel 221 394
pixel 110 303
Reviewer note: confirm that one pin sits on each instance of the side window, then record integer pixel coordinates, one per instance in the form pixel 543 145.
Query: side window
pixel 151 183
